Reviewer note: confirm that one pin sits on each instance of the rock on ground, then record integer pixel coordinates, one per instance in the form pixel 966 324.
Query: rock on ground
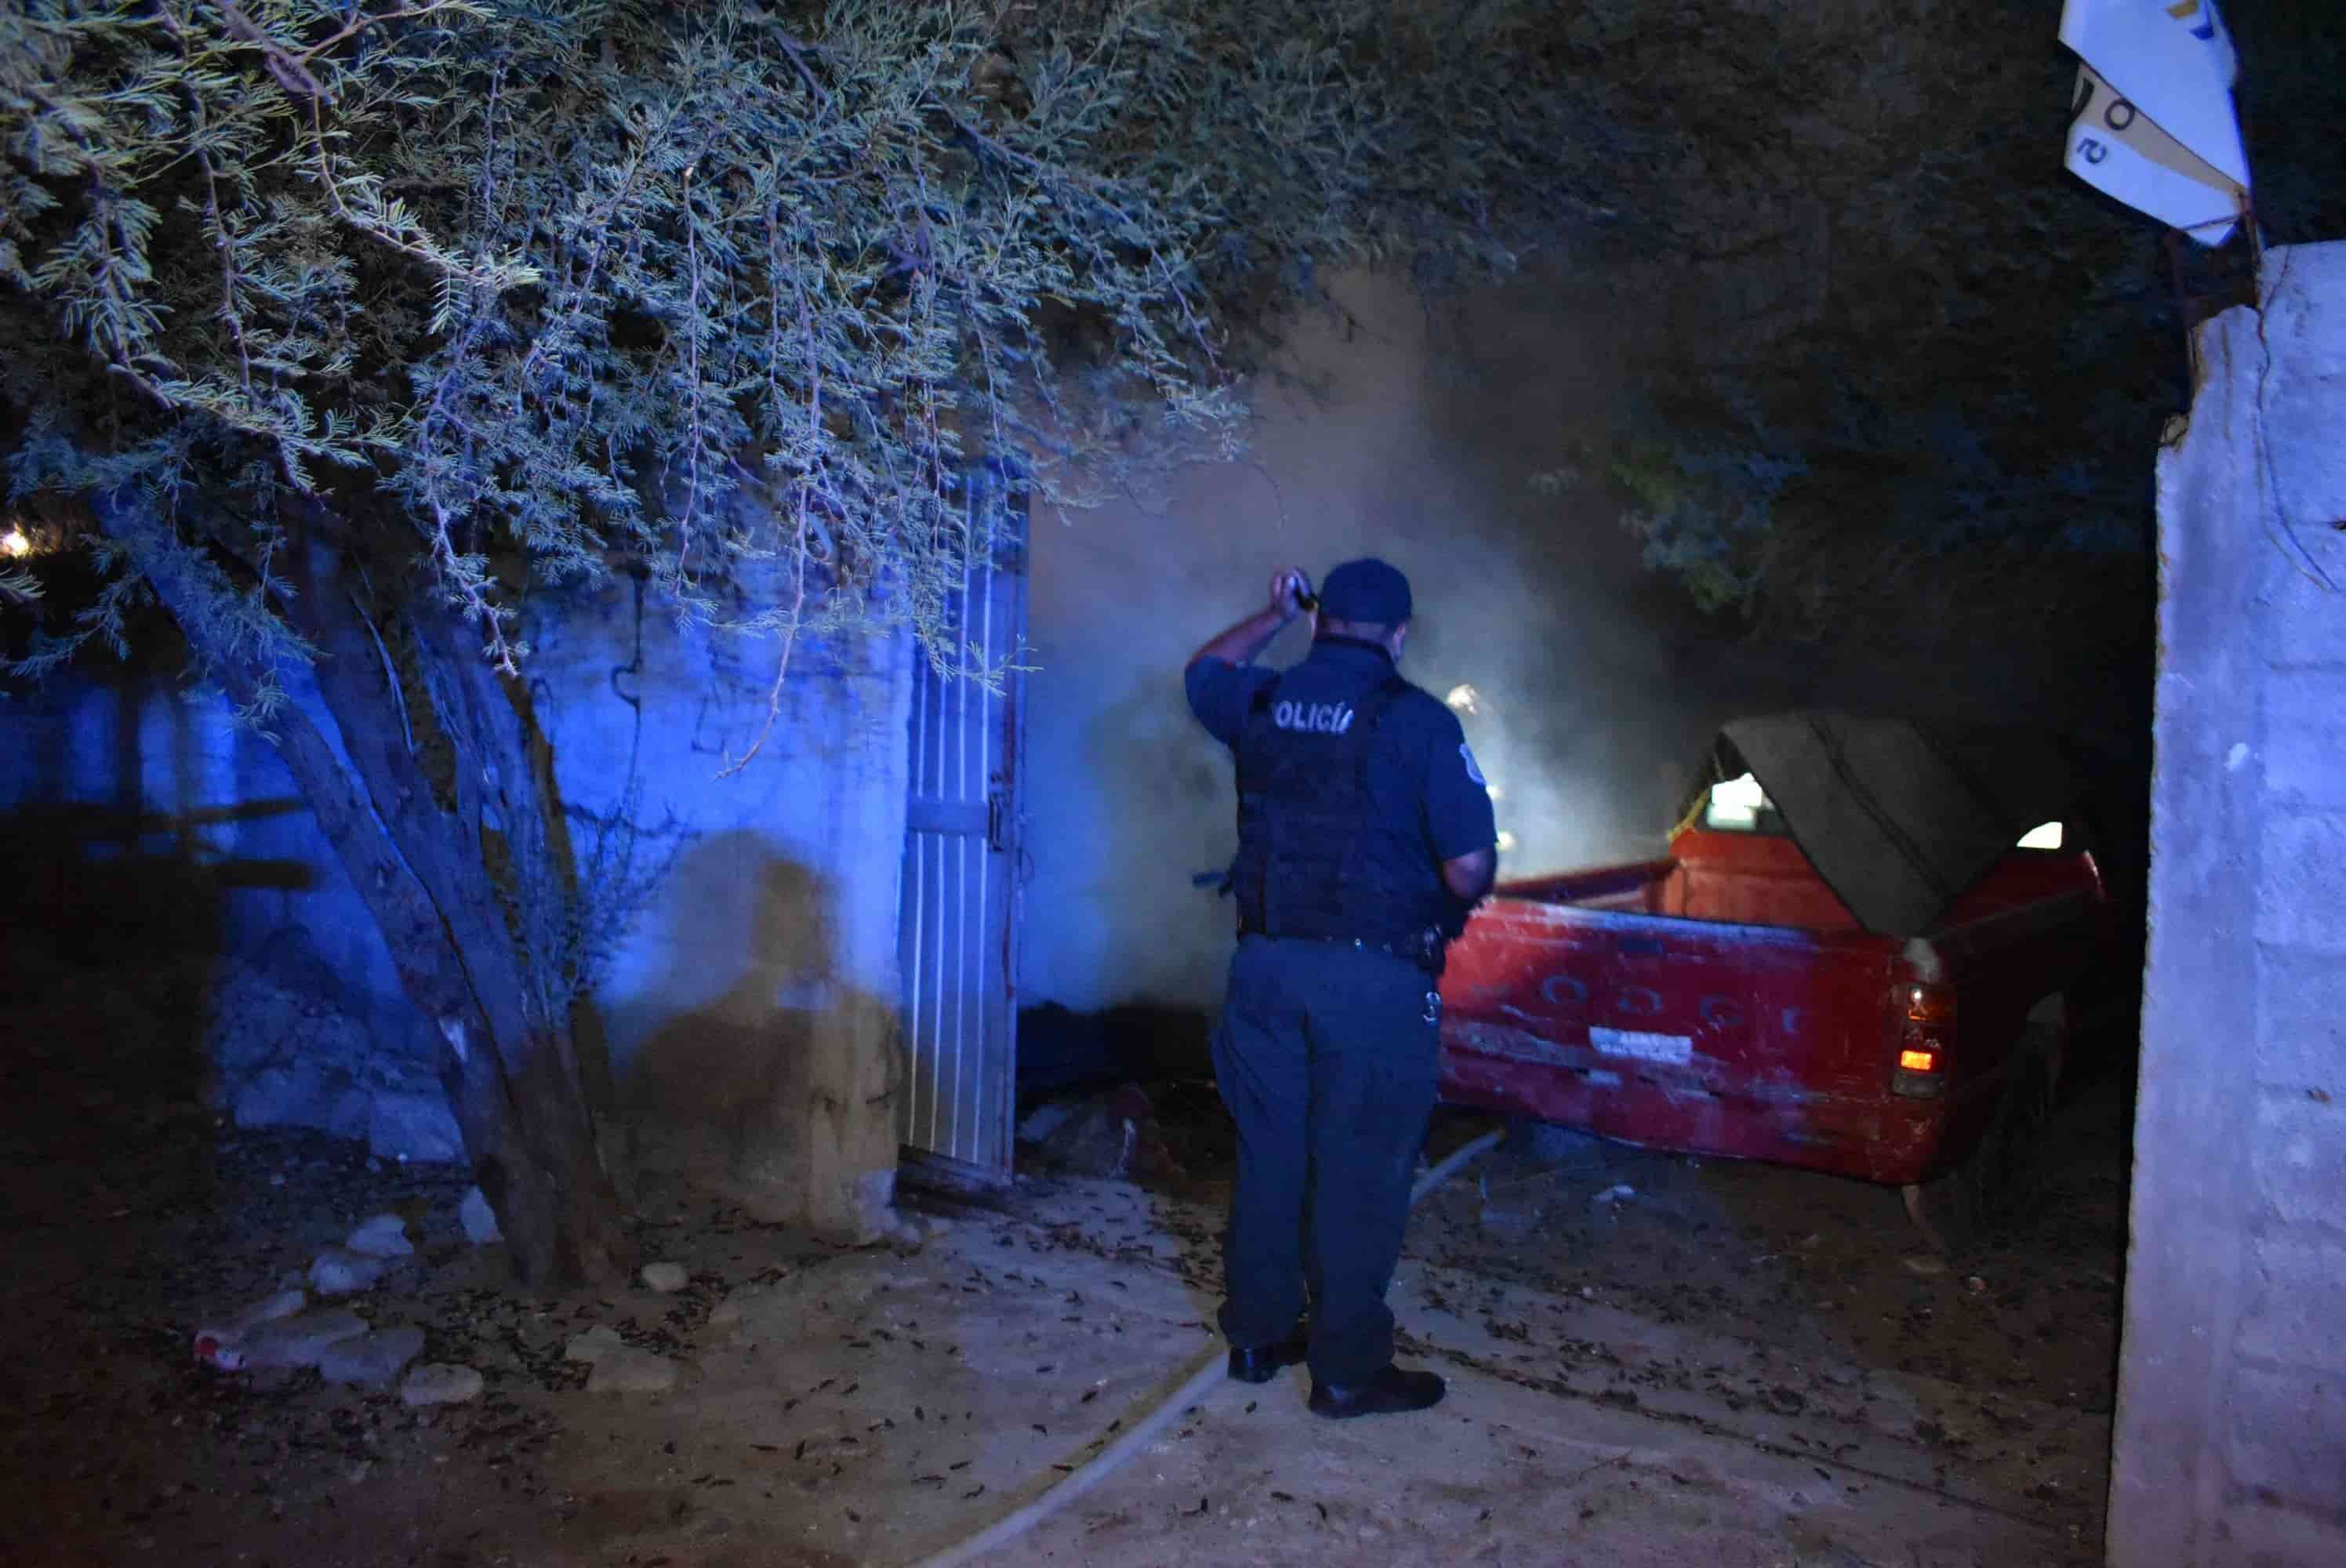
pixel 371 1360
pixel 627 1371
pixel 594 1344
pixel 440 1383
pixel 619 1368
pixel 284 1304
pixel 339 1271
pixel 729 1311
pixel 299 1341
pixel 480 1221
pixel 668 1278
pixel 284 1049
pixel 1514 1221
pixel 384 1235
pixel 413 1124
pixel 281 1094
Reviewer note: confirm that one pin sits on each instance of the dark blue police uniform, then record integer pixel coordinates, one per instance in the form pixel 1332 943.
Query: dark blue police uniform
pixel 1355 787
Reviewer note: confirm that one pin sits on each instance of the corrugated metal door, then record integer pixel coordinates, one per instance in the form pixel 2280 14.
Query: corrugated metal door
pixel 958 930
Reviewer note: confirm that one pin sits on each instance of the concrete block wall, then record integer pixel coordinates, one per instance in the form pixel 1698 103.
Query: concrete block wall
pixel 2230 1434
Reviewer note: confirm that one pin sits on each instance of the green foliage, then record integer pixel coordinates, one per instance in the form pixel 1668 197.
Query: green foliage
pixel 1704 514
pixel 518 288
pixel 1887 349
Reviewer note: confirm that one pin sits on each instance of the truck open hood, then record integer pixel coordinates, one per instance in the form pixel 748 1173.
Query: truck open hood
pixel 1900 817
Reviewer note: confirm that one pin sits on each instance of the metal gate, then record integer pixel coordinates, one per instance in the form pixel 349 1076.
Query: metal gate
pixel 958 927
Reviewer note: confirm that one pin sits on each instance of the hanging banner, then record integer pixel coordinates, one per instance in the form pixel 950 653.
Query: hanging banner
pixel 2152 123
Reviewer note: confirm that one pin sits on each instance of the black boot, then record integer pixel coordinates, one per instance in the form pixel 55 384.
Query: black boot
pixel 1389 1391
pixel 1260 1363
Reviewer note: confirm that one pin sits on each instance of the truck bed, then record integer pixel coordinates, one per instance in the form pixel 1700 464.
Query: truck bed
pixel 1723 1001
pixel 1763 880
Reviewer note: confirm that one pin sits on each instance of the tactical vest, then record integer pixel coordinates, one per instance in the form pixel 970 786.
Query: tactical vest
pixel 1314 859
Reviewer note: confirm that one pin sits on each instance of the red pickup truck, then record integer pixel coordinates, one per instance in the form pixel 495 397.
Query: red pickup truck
pixel 1849 960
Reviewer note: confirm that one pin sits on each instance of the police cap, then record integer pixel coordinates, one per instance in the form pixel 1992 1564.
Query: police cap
pixel 1367 590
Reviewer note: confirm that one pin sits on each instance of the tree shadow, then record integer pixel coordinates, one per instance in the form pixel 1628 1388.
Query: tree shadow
pixel 113 933
pixel 161 865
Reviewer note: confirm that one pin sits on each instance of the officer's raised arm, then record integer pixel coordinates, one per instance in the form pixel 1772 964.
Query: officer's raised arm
pixel 1241 642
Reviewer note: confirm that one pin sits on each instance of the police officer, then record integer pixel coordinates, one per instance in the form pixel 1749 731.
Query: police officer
pixel 1365 834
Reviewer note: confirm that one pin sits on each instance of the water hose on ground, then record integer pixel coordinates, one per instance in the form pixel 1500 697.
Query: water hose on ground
pixel 1450 1164
pixel 1208 1371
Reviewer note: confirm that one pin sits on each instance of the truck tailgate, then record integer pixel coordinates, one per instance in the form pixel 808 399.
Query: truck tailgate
pixel 1762 1041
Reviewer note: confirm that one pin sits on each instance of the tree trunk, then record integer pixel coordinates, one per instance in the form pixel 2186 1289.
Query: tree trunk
pixel 439 803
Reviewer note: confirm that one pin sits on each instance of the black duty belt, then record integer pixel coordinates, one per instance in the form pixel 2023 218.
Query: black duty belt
pixel 1426 949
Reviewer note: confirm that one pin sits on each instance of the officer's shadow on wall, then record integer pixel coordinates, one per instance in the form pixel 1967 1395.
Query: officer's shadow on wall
pixel 781 1093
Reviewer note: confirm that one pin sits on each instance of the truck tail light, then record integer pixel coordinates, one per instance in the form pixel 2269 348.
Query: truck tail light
pixel 1924 1026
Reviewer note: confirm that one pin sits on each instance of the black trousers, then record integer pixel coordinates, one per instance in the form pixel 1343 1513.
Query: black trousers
pixel 1326 1057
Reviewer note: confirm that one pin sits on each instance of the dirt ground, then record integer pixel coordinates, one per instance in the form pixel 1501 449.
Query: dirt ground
pixel 1723 1365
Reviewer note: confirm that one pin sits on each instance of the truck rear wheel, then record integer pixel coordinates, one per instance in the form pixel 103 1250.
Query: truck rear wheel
pixel 2002 1175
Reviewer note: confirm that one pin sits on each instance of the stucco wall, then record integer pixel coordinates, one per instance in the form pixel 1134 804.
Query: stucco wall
pixel 751 1015
pixel 2231 1418
pixel 753 1004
